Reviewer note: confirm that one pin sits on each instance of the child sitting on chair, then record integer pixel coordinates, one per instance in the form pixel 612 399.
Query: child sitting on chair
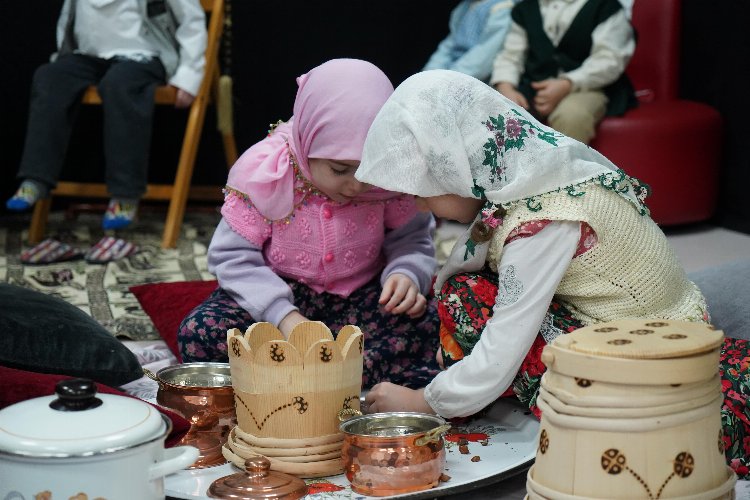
pixel 302 239
pixel 477 31
pixel 559 238
pixel 126 48
pixel 564 60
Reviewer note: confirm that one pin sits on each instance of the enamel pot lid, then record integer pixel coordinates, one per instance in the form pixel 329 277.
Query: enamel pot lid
pixel 77 422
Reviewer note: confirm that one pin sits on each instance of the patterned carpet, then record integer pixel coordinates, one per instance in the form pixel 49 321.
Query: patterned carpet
pixel 102 290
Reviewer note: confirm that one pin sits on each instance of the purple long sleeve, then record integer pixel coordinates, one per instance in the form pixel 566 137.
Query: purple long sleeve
pixel 243 274
pixel 410 250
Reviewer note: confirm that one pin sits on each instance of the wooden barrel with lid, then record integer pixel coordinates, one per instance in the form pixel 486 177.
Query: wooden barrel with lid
pixel 631 409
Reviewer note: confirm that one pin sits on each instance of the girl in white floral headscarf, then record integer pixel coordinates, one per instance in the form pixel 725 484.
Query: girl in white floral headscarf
pixel 559 238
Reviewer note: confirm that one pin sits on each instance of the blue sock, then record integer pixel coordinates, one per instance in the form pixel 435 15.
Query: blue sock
pixel 120 213
pixel 28 193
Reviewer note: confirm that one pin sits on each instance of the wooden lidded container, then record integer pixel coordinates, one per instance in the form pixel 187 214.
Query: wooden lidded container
pixel 631 410
pixel 288 395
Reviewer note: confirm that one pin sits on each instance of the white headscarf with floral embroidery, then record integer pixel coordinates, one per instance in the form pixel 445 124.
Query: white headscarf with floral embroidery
pixel 444 132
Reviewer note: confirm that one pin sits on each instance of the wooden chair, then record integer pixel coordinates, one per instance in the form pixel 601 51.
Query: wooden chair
pixel 178 192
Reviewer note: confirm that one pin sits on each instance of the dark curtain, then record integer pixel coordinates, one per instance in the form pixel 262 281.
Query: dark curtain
pixel 716 70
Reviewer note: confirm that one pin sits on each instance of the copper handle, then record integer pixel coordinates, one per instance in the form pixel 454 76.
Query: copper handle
pixel 432 436
pixel 346 413
pixel 150 375
pixel 153 377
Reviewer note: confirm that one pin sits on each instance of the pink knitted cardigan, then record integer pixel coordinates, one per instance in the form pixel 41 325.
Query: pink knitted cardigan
pixel 329 246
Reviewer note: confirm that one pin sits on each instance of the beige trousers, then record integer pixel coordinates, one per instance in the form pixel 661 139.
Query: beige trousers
pixel 578 113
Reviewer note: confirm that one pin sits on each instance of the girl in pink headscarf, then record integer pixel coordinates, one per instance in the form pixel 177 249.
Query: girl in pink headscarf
pixel 302 239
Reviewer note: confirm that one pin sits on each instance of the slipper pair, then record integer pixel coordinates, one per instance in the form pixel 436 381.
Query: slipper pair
pixel 51 250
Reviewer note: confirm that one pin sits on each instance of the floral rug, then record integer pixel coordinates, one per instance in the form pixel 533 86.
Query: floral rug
pixel 102 290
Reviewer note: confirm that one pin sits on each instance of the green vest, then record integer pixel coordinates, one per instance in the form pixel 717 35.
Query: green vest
pixel 544 60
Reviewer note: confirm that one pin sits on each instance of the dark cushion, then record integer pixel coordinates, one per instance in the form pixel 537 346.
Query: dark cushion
pixel 167 304
pixel 727 291
pixel 44 334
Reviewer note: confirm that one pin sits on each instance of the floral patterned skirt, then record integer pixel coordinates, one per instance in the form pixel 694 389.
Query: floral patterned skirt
pixel 465 306
pixel 397 348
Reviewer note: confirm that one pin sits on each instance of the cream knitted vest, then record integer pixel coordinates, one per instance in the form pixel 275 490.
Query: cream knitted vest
pixel 632 272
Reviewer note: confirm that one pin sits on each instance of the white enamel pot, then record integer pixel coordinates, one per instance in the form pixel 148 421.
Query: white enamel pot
pixel 80 443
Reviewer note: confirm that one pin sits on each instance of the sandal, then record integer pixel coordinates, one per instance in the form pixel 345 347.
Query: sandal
pixel 108 249
pixel 50 251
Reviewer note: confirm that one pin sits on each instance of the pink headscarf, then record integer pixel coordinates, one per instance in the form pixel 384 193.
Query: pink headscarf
pixel 335 105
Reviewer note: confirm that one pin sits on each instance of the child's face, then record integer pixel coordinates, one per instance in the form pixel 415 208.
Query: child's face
pixel 335 178
pixel 452 206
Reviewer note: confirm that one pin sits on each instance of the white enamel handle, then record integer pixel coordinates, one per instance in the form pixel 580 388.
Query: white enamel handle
pixel 175 459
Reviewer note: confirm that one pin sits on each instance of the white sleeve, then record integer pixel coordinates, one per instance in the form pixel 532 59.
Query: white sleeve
pixel 530 270
pixel 612 46
pixel 62 23
pixel 191 38
pixel 509 62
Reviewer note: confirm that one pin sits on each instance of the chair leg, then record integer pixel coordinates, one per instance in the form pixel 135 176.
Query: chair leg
pixel 176 211
pixel 39 220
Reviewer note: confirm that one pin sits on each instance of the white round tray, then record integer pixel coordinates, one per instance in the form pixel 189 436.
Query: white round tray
pixel 504 440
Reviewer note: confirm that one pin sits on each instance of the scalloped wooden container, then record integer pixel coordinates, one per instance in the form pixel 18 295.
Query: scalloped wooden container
pixel 292 390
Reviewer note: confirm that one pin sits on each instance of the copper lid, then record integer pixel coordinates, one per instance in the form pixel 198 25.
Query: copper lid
pixel 258 482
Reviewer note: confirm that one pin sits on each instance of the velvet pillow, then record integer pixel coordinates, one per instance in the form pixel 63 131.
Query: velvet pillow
pixel 44 334
pixel 167 304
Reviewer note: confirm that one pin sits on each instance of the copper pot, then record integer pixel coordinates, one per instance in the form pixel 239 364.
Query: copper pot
pixel 393 453
pixel 203 394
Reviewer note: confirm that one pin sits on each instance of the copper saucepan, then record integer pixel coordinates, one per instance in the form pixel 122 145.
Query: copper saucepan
pixel 203 394
pixel 393 453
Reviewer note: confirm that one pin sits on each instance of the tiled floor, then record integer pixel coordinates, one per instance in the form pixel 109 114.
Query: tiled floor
pixel 697 247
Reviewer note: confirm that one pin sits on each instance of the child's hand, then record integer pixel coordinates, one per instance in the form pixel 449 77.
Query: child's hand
pixel 439 358
pixel 183 99
pixel 401 295
pixel 511 93
pixel 291 320
pixel 386 396
pixel 549 93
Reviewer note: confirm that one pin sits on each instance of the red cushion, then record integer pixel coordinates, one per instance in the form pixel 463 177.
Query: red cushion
pixel 674 147
pixel 20 385
pixel 167 304
pixel 654 66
